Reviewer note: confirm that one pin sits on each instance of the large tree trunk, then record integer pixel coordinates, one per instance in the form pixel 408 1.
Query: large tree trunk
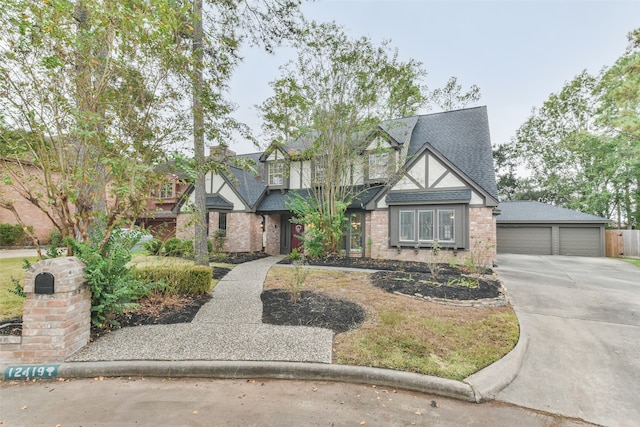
pixel 200 243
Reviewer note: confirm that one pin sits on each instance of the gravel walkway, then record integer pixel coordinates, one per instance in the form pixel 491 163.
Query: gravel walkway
pixel 229 327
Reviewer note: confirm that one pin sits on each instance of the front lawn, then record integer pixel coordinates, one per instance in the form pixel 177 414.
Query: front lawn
pixel 10 303
pixel 410 334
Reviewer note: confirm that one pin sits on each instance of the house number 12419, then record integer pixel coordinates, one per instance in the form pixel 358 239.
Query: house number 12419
pixel 24 372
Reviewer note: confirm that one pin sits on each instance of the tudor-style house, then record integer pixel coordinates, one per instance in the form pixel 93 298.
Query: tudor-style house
pixel 423 180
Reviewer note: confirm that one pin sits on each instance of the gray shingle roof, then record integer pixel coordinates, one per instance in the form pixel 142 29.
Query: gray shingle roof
pixel 276 200
pixel 536 212
pixel 217 202
pixel 249 185
pixel 429 196
pixel 461 136
pixel 399 129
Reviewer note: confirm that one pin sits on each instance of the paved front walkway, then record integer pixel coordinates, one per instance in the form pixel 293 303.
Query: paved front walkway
pixel 229 327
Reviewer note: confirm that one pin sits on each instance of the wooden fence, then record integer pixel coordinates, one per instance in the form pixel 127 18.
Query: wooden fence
pixel 623 243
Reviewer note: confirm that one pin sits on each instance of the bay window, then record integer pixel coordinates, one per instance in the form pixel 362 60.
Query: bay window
pixel 417 226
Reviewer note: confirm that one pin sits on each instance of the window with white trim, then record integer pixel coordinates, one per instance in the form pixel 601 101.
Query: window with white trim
pixel 378 165
pixel 166 191
pixel 276 173
pixel 319 170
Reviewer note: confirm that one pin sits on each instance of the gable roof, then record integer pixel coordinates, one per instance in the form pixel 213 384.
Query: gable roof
pixel 463 138
pixel 250 187
pixel 529 211
pixel 399 129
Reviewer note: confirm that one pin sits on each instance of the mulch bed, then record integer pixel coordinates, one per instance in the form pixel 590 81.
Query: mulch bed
pixel 380 264
pixel 157 310
pixel 311 309
pixel 238 258
pixel 441 287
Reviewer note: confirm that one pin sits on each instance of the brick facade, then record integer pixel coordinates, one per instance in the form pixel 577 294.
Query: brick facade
pixel 244 230
pixel 54 326
pixel 482 242
pixel 272 227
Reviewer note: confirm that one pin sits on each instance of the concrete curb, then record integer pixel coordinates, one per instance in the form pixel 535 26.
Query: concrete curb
pixel 270 370
pixel 488 382
pixel 479 387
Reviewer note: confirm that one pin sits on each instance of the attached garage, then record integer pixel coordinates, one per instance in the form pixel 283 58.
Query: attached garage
pixel 524 240
pixel 534 228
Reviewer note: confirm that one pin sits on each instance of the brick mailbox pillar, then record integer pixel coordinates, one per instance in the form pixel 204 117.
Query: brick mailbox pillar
pixel 57 312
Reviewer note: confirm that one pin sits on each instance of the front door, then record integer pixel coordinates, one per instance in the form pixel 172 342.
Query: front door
pixel 285 235
pixel 297 230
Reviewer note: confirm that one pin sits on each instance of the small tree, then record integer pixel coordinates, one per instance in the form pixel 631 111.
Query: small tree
pixel 332 98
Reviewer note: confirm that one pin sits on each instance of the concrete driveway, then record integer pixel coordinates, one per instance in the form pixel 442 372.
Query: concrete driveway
pixel 582 316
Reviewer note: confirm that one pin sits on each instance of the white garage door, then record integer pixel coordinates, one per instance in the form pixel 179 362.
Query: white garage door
pixel 524 240
pixel 580 241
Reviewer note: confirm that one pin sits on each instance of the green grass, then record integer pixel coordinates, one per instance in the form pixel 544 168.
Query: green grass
pixel 11 304
pixel 634 261
pixel 410 334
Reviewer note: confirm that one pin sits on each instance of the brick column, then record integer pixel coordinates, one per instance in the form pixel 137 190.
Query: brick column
pixel 56 325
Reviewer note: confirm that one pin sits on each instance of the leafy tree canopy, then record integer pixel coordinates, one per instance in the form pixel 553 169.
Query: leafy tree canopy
pixel 582 147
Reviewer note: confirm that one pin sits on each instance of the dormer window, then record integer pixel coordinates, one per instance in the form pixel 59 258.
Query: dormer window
pixel 166 191
pixel 378 166
pixel 276 173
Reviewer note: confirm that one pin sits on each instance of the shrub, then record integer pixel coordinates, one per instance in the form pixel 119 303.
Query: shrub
pixel 177 279
pixel 114 288
pixel 218 241
pixel 14 235
pixel 153 246
pixel 186 249
pixel 172 246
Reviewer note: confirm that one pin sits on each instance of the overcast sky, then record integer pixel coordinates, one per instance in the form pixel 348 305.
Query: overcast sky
pixel 517 52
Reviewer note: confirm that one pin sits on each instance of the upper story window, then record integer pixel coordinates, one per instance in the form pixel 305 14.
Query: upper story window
pixel 276 173
pixel 166 191
pixel 378 165
pixel 319 173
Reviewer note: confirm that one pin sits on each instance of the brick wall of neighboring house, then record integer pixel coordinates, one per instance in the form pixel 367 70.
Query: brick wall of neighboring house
pixel 482 241
pixel 30 215
pixel 272 227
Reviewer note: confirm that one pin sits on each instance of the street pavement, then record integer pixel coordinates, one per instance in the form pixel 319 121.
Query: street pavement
pixel 582 317
pixel 207 402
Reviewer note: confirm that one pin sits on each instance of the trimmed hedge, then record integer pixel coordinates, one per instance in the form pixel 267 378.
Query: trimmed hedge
pixel 178 279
